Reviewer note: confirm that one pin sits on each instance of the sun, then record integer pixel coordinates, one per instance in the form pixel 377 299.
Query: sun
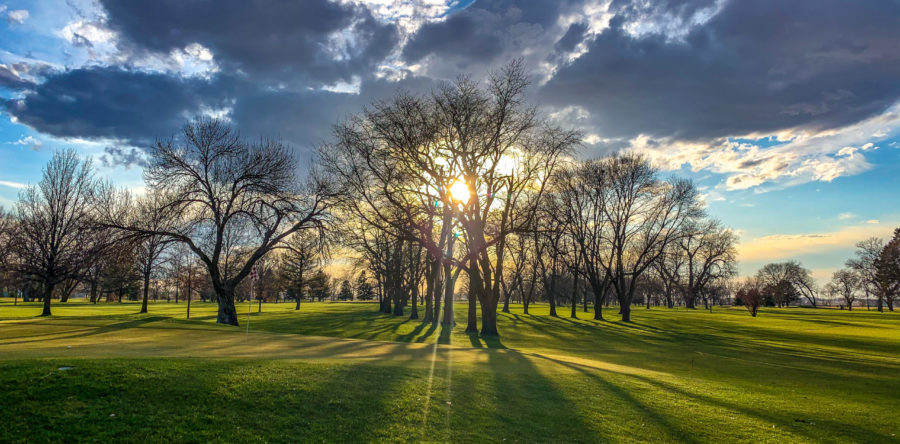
pixel 459 191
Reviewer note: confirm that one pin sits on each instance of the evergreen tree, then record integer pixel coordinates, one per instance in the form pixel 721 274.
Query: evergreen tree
pixel 319 286
pixel 345 294
pixel 364 290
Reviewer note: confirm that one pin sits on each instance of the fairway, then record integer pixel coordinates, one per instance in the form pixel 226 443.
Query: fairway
pixel 342 372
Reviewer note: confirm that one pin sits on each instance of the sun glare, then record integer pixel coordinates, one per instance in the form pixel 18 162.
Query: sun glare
pixel 459 191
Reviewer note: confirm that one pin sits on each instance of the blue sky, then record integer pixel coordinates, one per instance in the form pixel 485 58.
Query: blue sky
pixel 793 138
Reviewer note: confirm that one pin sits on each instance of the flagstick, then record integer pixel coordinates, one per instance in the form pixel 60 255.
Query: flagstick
pixel 249 306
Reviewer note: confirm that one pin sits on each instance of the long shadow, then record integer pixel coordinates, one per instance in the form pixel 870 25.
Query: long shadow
pixel 515 402
pixel 409 336
pixel 424 336
pixel 444 336
pixel 135 323
pixel 784 418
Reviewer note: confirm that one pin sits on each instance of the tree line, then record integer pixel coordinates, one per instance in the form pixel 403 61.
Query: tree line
pixel 465 190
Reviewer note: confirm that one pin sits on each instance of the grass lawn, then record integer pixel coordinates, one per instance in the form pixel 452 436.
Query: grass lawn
pixel 344 373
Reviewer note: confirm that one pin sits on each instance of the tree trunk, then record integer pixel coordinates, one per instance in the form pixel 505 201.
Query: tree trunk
pixel 472 318
pixel 489 317
pixel 551 295
pixel 475 285
pixel 414 311
pixel 625 309
pixel 436 317
pixel 689 300
pixel 227 313
pixel 430 284
pixel 146 291
pixel 584 299
pixel 449 282
pixel 575 299
pixel 48 293
pixel 189 305
pixel 598 303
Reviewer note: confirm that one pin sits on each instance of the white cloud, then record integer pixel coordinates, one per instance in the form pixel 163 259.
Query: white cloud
pixel 10 184
pixel 872 221
pixel 81 32
pixel 29 141
pixel 802 156
pixel 17 16
pixel 846 216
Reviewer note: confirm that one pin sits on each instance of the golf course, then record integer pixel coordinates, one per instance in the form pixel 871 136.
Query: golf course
pixel 342 372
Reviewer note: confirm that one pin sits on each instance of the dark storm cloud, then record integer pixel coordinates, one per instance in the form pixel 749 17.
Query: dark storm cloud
pixel 271 40
pixel 673 9
pixel 305 119
pixel 573 36
pixel 112 103
pixel 485 31
pixel 10 79
pixel 756 66
pixel 137 108
pixel 22 75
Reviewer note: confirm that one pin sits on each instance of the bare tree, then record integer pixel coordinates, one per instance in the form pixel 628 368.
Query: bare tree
pixel 749 294
pixel 580 189
pixel 301 254
pixel 505 154
pixel 888 270
pixel 469 156
pixel 845 283
pixel 709 257
pixel 6 232
pixel 645 215
pixel 229 200
pixel 867 264
pixel 787 279
pixel 150 248
pixel 53 241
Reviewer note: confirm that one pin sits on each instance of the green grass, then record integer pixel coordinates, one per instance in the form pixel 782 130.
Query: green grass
pixel 344 373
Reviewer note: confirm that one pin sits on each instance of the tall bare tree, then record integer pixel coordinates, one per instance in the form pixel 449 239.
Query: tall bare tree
pixel 470 156
pixel 846 284
pixel 301 254
pixel 53 241
pixel 229 200
pixel 645 215
pixel 505 153
pixel 709 256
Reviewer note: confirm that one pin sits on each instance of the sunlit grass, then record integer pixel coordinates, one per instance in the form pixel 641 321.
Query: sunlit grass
pixel 790 375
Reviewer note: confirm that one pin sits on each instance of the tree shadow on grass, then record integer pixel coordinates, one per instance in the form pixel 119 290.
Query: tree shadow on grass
pixel 788 420
pixel 514 402
pixel 444 336
pixel 412 336
pixel 134 323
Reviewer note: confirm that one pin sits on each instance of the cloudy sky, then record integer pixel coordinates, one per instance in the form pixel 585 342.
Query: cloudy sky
pixel 785 113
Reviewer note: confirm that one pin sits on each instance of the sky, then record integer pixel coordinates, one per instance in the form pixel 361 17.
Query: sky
pixel 786 115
